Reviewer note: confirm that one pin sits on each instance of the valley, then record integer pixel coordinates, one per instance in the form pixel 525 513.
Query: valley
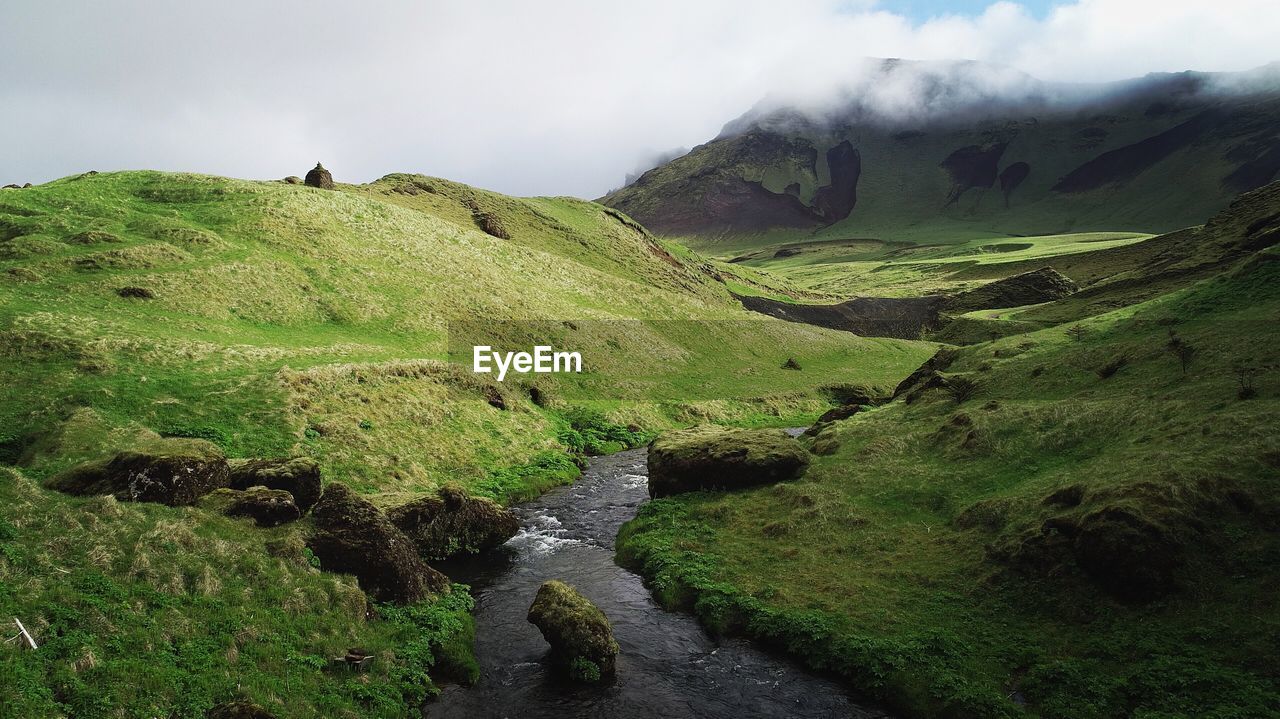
pixel 1029 362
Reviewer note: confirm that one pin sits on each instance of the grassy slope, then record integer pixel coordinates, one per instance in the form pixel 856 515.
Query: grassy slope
pixel 290 320
pixel 143 610
pixel 287 320
pixel 846 269
pixel 921 503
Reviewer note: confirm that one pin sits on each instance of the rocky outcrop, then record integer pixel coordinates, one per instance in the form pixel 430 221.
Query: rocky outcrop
pixel 299 476
pixel 711 457
pixel 901 317
pixel 168 471
pixel 354 537
pixel 1127 554
pixel 581 639
pixel 972 166
pixel 926 375
pixel 451 522
pixel 319 177
pixel 1029 288
pixel 832 415
pixel 267 507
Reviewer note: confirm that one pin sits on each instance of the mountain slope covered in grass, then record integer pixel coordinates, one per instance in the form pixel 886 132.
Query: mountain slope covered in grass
pixel 967 165
pixel 1073 521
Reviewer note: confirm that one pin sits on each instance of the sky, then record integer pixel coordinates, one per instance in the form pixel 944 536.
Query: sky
pixel 551 97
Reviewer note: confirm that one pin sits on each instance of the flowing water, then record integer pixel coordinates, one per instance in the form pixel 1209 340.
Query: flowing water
pixel 669 667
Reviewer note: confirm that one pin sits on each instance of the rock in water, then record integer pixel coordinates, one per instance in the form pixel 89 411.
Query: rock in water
pixel 354 537
pixel 267 507
pixel 711 457
pixel 582 643
pixel 299 476
pixel 169 471
pixel 319 177
pixel 451 523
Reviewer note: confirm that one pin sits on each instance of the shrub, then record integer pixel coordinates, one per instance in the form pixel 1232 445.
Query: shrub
pixel 1244 378
pixel 1181 350
pixel 1077 332
pixel 590 432
pixel 961 388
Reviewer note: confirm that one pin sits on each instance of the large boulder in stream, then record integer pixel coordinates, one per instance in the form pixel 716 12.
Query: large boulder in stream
pixel 354 537
pixel 581 639
pixel 170 471
pixel 299 476
pixel 711 457
pixel 451 522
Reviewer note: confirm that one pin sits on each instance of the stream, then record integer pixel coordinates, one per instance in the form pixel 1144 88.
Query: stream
pixel 668 667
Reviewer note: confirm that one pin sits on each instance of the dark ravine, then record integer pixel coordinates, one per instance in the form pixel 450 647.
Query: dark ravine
pixel 903 318
pixel 668 667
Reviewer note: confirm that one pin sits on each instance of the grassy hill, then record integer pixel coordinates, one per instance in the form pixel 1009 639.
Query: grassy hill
pixel 278 320
pixel 1075 521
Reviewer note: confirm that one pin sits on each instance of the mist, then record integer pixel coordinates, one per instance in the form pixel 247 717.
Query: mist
pixel 547 98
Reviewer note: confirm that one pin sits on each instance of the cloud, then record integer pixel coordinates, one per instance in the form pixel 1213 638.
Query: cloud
pixel 548 98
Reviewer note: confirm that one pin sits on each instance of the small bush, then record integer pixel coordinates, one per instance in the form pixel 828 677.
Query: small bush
pixel 1184 352
pixel 1244 379
pixel 212 434
pixel 590 432
pixel 961 389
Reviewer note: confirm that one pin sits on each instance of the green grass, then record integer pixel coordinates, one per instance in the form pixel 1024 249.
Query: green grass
pixel 884 564
pixel 144 610
pixel 840 268
pixel 291 320
pixel 277 320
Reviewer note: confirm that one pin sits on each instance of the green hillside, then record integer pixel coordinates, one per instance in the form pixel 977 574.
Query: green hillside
pixel 1074 521
pixel 278 320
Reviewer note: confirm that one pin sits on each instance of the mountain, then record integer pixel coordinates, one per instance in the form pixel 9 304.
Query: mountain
pixel 928 152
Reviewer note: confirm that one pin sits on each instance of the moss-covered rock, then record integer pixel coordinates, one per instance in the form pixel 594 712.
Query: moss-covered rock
pixel 581 639
pixel 169 471
pixel 711 457
pixel 267 507
pixel 451 522
pixel 1128 554
pixel 354 537
pixel 299 476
